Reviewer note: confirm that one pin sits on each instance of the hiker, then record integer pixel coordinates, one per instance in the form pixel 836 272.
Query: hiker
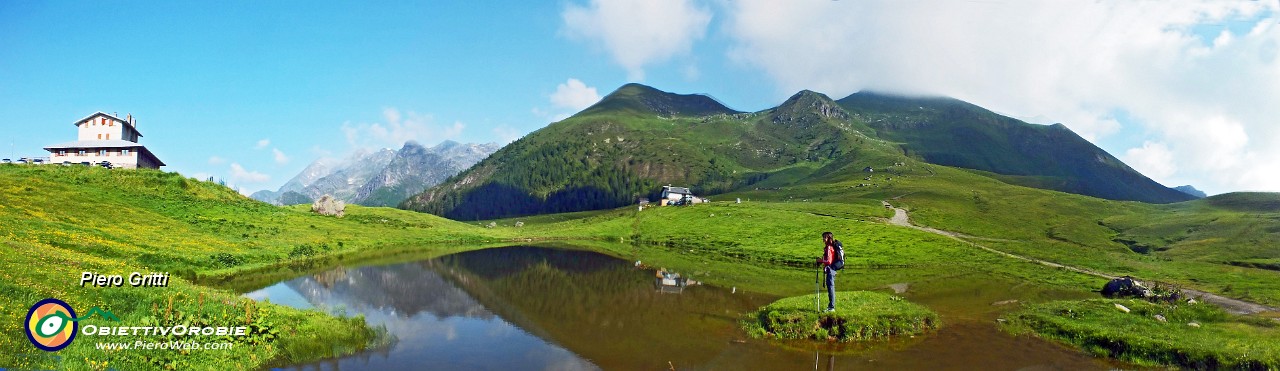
pixel 831 261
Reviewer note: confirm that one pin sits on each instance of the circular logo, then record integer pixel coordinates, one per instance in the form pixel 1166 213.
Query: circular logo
pixel 51 325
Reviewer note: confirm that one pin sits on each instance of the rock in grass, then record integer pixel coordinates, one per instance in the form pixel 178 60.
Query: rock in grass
pixel 328 205
pixel 1122 308
pixel 859 316
pixel 1193 324
pixel 1161 318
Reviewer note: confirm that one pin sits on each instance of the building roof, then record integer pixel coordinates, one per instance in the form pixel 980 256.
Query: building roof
pixel 677 190
pixel 114 143
pixel 100 113
pixel 100 144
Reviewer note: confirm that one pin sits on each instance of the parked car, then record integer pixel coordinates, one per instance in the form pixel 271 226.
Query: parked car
pixel 105 164
pixel 8 161
pixel 66 163
pixel 38 161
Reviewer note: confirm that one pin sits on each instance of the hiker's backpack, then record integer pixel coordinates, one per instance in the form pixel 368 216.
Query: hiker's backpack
pixel 838 260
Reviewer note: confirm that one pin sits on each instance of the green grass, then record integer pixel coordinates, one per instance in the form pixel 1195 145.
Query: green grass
pixel 770 246
pixel 61 221
pixel 860 316
pixel 1222 341
pixel 277 334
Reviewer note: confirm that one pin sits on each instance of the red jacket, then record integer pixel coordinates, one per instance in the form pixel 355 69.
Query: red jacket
pixel 828 256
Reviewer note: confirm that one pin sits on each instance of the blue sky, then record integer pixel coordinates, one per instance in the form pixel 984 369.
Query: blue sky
pixel 252 92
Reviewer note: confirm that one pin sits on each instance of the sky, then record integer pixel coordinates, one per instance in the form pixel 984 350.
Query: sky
pixel 251 92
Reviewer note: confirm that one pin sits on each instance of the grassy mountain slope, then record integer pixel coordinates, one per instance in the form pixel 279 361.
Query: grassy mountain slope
pixel 61 221
pixel 954 133
pixel 1239 229
pixel 639 138
pixel 620 150
pixel 1226 252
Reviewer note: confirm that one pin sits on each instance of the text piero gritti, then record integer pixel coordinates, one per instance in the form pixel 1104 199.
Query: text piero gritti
pixel 135 279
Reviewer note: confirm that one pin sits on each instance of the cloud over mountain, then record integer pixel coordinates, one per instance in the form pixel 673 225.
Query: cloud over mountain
pixel 1197 78
pixel 637 33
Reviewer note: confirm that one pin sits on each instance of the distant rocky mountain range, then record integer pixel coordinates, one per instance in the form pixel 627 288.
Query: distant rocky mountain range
pixel 379 178
pixel 1188 189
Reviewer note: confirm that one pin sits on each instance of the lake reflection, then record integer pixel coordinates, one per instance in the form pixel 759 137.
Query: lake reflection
pixel 520 308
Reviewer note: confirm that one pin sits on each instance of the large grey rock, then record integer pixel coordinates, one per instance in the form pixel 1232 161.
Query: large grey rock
pixel 328 205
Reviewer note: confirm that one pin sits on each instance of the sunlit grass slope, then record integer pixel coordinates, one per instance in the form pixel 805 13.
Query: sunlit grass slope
pixel 61 221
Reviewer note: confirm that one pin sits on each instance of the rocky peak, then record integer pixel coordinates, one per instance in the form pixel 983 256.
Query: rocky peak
pixel 808 101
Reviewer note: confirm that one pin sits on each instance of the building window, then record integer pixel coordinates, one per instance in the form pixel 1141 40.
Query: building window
pixel 102 152
pixel 62 152
pixel 82 152
pixel 124 152
pixel 108 136
pixel 99 136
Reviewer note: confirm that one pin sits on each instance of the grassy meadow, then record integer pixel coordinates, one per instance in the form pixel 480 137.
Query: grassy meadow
pixel 60 221
pixel 1197 336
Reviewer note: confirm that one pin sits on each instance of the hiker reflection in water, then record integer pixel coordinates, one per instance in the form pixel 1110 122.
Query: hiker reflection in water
pixel 831 261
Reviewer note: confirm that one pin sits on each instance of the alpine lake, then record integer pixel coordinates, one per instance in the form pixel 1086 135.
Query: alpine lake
pixel 557 308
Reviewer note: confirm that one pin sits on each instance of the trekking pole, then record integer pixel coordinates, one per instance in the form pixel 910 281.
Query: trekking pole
pixel 817 288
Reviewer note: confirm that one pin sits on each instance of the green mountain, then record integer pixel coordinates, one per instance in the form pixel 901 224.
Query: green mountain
pixel 644 100
pixel 950 132
pixel 639 138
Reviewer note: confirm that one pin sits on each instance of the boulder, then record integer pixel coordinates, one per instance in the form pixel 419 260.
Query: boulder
pixel 1125 287
pixel 328 205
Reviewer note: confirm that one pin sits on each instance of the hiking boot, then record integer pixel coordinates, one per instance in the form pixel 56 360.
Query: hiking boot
pixel 829 310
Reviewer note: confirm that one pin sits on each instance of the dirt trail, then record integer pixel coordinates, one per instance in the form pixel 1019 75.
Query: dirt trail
pixel 901 218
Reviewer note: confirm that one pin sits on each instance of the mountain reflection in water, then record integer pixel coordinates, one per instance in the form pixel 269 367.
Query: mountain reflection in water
pixel 520 308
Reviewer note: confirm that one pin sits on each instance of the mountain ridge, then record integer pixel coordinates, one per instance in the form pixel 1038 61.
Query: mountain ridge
pixel 383 177
pixel 625 147
pixel 639 98
pixel 951 132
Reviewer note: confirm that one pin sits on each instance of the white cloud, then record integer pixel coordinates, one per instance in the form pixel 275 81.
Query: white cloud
pixel 1207 99
pixel 637 33
pixel 215 160
pixel 1152 159
pixel 279 156
pixel 262 143
pixel 570 97
pixel 240 175
pixel 398 129
pixel 574 95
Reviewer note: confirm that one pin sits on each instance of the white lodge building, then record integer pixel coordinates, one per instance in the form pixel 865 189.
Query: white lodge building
pixel 107 138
